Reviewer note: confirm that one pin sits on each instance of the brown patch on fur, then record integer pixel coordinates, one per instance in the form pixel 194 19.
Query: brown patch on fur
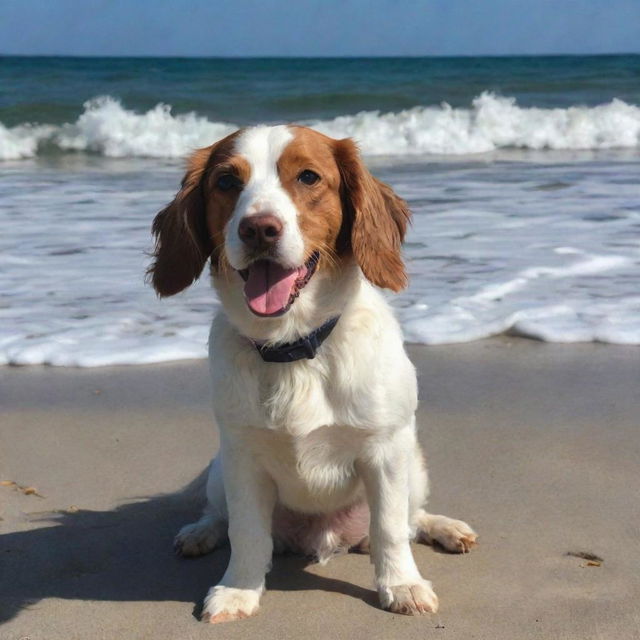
pixel 189 229
pixel 319 206
pixel 375 220
pixel 221 204
pixel 466 543
pixel 347 212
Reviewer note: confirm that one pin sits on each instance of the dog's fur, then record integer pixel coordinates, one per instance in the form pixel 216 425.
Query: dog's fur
pixel 316 455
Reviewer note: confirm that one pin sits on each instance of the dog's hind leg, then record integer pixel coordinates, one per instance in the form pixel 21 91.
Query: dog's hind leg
pixel 455 536
pixel 210 531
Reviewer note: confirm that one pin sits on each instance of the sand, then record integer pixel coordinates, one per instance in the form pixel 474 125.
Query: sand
pixel 536 445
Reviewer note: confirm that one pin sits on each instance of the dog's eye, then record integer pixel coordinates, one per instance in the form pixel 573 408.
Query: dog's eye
pixel 228 181
pixel 308 177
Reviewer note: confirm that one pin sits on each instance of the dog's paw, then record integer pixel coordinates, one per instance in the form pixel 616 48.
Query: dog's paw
pixel 224 604
pixel 455 536
pixel 198 538
pixel 409 599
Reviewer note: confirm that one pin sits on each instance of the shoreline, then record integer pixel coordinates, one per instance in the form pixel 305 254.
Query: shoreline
pixel 506 339
pixel 535 444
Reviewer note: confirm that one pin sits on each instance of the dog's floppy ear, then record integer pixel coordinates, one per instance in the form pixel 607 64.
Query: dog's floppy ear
pixel 180 229
pixel 374 220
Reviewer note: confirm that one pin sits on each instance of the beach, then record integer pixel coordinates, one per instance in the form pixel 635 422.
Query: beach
pixel 536 445
pixel 522 316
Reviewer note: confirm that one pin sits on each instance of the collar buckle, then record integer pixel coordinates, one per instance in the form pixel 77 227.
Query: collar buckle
pixel 309 347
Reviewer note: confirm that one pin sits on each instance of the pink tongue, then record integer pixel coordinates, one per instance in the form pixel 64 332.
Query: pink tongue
pixel 269 286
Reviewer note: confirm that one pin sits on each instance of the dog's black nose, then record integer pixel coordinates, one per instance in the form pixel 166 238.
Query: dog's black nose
pixel 260 231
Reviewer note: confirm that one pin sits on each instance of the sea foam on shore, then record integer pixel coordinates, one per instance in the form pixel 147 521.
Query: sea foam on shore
pixel 547 249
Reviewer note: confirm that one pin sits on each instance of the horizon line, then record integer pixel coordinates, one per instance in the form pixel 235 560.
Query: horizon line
pixel 318 57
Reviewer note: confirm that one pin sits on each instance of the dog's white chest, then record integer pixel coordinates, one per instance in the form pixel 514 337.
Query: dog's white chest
pixel 291 398
pixel 295 399
pixel 316 471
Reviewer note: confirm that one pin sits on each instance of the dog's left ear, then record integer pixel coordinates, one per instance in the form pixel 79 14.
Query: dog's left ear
pixel 183 244
pixel 374 220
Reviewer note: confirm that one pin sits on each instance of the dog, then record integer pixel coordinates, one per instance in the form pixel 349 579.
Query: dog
pixel 314 395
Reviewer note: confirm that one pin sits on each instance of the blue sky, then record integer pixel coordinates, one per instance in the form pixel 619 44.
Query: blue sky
pixel 318 28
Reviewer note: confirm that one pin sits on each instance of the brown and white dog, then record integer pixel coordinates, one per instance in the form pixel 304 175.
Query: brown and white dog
pixel 314 394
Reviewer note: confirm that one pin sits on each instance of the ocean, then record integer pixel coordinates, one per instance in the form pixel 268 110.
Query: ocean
pixel 522 174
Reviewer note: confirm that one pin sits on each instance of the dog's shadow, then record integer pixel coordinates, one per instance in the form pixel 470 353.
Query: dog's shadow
pixel 126 555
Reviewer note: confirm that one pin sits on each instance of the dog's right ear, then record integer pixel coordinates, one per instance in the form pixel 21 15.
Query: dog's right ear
pixel 374 222
pixel 183 244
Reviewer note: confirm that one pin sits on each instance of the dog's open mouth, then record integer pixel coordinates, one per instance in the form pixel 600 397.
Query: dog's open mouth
pixel 270 289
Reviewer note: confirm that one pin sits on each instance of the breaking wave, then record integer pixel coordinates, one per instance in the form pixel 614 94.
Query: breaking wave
pixel 107 128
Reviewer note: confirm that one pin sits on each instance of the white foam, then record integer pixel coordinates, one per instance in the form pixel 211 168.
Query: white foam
pixel 550 251
pixel 22 141
pixel 493 122
pixel 510 268
pixel 107 128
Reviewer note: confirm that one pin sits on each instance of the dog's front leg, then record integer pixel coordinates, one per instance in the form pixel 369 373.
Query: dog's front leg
pixel 385 472
pixel 251 496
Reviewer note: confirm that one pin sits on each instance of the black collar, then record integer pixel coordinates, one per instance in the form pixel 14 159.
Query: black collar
pixel 306 347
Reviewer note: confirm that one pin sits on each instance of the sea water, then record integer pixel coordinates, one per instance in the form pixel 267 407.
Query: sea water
pixel 522 175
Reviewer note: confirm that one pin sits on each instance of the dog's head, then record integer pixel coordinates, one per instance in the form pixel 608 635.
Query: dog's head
pixel 277 208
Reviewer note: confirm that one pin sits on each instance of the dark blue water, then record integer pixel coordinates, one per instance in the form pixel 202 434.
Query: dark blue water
pixel 53 90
